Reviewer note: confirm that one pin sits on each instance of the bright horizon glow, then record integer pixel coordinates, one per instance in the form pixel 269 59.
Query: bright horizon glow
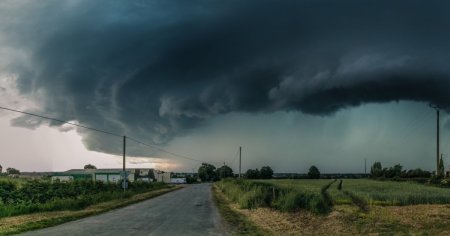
pixel 48 149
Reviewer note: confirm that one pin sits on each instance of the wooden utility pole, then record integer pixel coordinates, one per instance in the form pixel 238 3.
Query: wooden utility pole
pixel 437 135
pixel 124 150
pixel 437 141
pixel 240 161
pixel 365 166
pixel 124 174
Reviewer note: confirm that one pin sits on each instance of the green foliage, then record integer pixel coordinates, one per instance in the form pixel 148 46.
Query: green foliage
pixel 90 167
pixel 416 173
pixel 441 168
pixel 376 170
pixel 253 194
pixel 266 172
pixel 394 171
pixel 35 196
pixel 207 172
pixel 191 179
pixel 313 172
pixel 253 174
pixel 12 171
pixel 390 193
pixel 224 172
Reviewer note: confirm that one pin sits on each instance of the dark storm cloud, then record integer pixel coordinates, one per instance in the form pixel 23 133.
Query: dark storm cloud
pixel 155 69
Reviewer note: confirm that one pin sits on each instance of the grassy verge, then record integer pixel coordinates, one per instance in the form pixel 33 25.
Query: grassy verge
pixel 22 223
pixel 250 194
pixel 239 223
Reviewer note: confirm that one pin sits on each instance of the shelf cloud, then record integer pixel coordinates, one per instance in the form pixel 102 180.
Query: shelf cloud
pixel 158 69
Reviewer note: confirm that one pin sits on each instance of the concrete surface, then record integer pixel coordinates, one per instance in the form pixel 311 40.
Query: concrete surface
pixel 188 211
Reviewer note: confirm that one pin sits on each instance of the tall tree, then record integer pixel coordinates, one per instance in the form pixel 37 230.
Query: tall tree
pixel 441 173
pixel 266 172
pixel 253 174
pixel 376 170
pixel 206 172
pixel 224 172
pixel 313 172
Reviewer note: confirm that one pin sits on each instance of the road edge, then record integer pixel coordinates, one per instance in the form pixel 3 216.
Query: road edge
pixel 89 211
pixel 234 221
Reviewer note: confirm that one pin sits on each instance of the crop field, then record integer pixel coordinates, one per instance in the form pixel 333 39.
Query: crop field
pixel 332 207
pixel 389 193
pixel 290 195
pixel 18 197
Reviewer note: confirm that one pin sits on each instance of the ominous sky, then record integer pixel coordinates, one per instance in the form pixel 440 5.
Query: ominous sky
pixel 324 82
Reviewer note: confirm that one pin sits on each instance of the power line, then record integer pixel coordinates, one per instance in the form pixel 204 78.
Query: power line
pixel 62 121
pixel 107 132
pixel 169 152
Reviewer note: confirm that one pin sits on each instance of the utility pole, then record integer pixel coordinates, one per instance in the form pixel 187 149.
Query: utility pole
pixel 437 108
pixel 240 160
pixel 365 166
pixel 124 175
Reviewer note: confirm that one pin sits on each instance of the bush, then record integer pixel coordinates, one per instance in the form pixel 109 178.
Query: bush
pixel 35 196
pixel 253 194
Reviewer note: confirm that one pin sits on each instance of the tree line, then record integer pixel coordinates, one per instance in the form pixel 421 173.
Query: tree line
pixel 397 171
pixel 208 172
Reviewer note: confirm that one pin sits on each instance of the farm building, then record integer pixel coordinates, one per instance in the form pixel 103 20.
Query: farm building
pixel 112 175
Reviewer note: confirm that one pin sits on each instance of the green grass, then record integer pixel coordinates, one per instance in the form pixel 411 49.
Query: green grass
pixel 372 191
pixel 238 222
pixel 293 195
pixel 390 193
pixel 282 195
pixel 17 198
pixel 23 223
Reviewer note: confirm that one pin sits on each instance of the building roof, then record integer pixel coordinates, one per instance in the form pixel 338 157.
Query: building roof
pixel 92 171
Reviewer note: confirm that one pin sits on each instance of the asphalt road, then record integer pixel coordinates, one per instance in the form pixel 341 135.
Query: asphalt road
pixel 188 211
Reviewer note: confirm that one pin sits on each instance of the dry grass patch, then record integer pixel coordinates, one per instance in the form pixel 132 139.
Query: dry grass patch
pixel 349 220
pixel 300 223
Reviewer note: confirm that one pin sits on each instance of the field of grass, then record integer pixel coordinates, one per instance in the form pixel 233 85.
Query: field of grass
pixel 291 195
pixel 358 207
pixel 21 223
pixel 28 196
pixel 282 195
pixel 389 192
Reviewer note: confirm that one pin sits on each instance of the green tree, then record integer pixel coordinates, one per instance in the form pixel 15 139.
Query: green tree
pixel 90 167
pixel 266 172
pixel 394 171
pixel 224 172
pixel 376 170
pixel 12 171
pixel 206 172
pixel 441 168
pixel 252 174
pixel 313 172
